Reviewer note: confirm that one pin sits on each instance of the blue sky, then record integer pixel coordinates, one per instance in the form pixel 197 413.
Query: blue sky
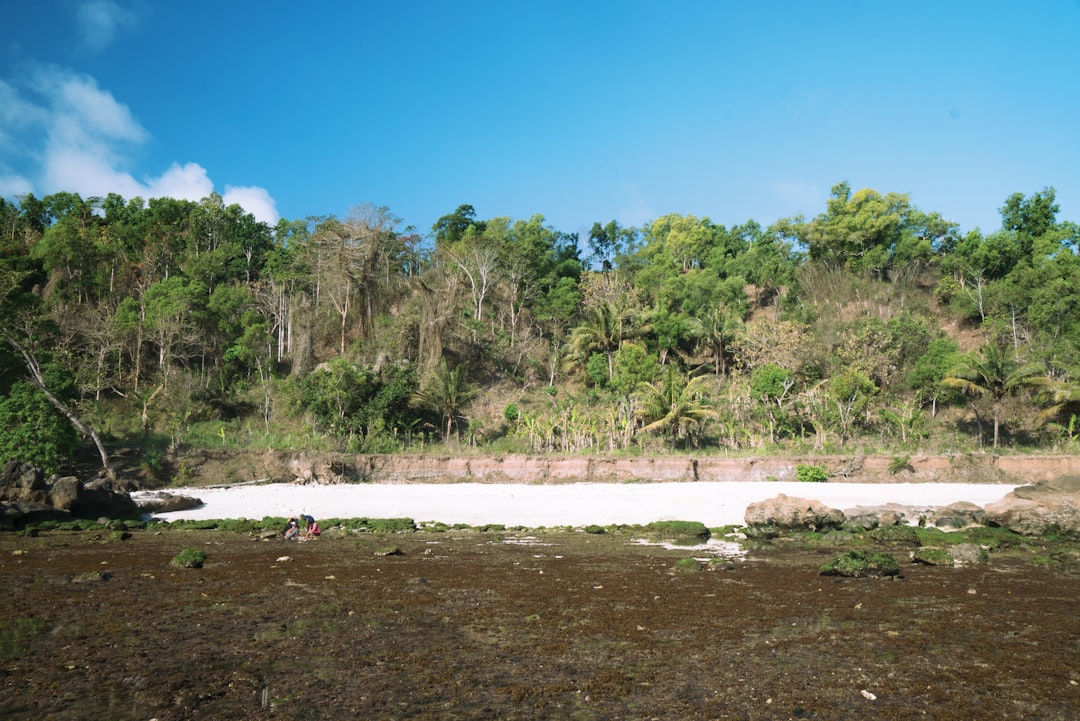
pixel 580 111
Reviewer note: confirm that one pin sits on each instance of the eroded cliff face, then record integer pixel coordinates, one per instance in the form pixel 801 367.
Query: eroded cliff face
pixel 213 467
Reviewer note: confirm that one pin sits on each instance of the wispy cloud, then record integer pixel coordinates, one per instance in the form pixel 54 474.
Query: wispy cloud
pixel 99 21
pixel 59 131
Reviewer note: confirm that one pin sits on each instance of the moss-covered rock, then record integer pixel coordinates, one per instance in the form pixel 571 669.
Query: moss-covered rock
pixel 861 564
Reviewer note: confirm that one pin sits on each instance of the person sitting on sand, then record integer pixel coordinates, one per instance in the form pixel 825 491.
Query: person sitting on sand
pixel 292 530
pixel 313 531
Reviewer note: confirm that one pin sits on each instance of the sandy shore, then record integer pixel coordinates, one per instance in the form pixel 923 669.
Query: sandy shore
pixel 714 504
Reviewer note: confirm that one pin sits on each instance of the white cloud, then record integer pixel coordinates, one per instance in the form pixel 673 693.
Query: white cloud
pixel 60 132
pixel 186 182
pixel 254 200
pixel 14 185
pixel 99 21
pixel 95 111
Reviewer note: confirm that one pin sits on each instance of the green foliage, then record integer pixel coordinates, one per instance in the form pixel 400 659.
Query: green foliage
pixel 189 558
pixel 678 406
pixel 351 400
pixel 446 391
pixel 633 365
pixel 769 383
pixel 184 319
pixel 861 564
pixel 810 474
pixel 33 431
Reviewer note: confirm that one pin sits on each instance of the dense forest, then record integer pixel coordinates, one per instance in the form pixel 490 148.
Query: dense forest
pixel 168 324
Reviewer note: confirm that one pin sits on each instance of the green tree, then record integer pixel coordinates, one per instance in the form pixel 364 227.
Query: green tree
pixel 32 430
pixel 31 337
pixel 850 393
pixel 930 369
pixel 452 228
pixel 865 231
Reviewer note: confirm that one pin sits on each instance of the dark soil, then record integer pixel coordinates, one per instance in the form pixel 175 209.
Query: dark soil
pixel 471 625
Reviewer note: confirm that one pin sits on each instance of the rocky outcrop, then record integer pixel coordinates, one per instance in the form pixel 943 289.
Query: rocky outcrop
pixel 1049 506
pixel 784 514
pixel 27 494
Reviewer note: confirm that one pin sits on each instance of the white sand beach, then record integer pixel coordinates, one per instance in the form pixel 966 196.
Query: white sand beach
pixel 576 504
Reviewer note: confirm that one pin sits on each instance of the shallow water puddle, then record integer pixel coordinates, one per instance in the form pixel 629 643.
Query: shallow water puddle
pixel 713 548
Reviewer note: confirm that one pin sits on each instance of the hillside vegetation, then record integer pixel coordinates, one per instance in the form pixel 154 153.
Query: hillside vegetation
pixel 172 324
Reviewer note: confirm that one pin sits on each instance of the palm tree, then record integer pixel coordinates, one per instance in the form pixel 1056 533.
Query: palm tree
pixel 601 333
pixel 445 392
pixel 994 374
pixel 1064 395
pixel 676 406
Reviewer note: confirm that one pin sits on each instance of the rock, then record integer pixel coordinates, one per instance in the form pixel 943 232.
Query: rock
pixel 104 502
pixel 164 502
pixel 64 492
pixel 863 522
pixel 770 518
pixel 900 536
pixel 890 518
pixel 26 495
pixel 1047 506
pixel 23 482
pixel 962 554
pixel 958 515
pixel 967 554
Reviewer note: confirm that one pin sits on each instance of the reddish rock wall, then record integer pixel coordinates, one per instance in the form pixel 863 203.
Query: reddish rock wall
pixel 232 467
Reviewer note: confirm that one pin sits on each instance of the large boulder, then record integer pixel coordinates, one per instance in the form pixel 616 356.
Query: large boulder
pixel 1047 506
pixel 27 494
pixel 783 514
pixel 958 515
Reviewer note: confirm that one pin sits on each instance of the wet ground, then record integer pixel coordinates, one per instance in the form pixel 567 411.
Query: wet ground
pixel 560 625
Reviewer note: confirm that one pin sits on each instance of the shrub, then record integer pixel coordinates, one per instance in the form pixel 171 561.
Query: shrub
pixel 861 564
pixel 189 558
pixel 898 464
pixel 810 474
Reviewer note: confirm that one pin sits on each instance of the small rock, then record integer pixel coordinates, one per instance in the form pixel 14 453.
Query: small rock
pixel 284 559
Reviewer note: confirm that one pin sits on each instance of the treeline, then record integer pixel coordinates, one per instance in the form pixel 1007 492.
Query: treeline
pixel 168 323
